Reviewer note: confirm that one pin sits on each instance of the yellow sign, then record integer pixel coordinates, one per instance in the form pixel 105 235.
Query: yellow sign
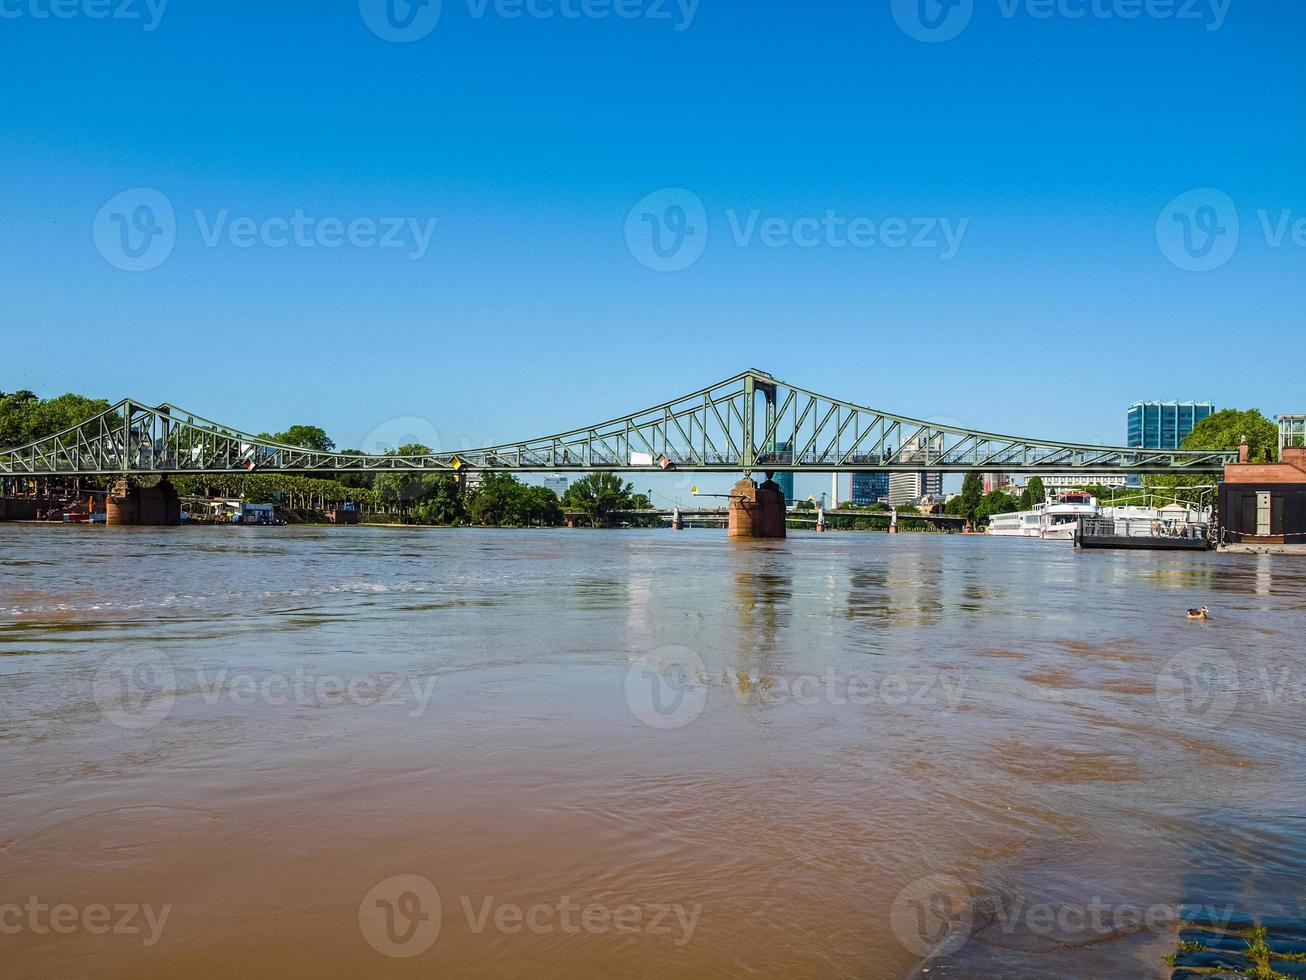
pixel 693 490
pixel 456 463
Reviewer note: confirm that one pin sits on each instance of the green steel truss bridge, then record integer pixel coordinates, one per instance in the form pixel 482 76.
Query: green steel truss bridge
pixel 751 422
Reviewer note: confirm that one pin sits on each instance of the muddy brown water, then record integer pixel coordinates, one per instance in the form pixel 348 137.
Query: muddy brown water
pixel 377 752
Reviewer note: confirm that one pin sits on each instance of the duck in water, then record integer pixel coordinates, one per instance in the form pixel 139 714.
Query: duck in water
pixel 1202 613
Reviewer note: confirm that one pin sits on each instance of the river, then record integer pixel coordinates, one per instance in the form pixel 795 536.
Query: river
pixel 299 752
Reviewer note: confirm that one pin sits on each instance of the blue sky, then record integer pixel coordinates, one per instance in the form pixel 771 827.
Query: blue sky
pixel 1053 143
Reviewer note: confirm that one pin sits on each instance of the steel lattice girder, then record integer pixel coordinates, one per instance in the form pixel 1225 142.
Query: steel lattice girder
pixel 716 429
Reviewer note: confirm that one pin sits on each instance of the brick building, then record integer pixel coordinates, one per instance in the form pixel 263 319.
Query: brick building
pixel 1265 503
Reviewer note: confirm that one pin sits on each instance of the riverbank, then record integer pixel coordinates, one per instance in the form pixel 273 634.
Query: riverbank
pixel 1239 548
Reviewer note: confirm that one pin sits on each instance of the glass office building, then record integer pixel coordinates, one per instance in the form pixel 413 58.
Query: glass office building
pixel 785 481
pixel 867 488
pixel 1163 425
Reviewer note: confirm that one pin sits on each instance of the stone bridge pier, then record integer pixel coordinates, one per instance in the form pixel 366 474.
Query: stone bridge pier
pixel 156 506
pixel 756 510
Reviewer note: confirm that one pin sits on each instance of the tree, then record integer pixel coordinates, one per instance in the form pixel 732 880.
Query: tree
pixel 501 499
pixel 25 418
pixel 599 494
pixel 305 436
pixel 441 502
pixel 1033 494
pixel 361 480
pixel 402 489
pixel 1226 429
pixel 1221 430
pixel 995 502
pixel 972 493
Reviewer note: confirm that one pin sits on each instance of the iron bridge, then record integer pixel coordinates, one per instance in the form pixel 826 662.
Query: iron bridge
pixel 751 422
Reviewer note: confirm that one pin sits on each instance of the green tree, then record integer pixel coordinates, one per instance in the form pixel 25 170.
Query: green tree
pixel 1220 430
pixel 598 494
pixel 441 502
pixel 1226 429
pixel 501 499
pixel 972 493
pixel 361 480
pixel 305 436
pixel 26 418
pixel 1033 494
pixel 995 502
pixel 403 489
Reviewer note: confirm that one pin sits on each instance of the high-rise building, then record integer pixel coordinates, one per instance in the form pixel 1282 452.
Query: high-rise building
pixel 905 487
pixel 996 481
pixel 867 488
pixel 785 481
pixel 1163 425
pixel 558 484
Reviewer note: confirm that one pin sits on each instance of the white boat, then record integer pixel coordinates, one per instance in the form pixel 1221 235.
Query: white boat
pixel 1054 520
pixel 1024 524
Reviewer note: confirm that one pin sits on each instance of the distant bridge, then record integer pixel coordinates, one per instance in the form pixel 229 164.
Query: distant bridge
pixel 693 516
pixel 751 422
